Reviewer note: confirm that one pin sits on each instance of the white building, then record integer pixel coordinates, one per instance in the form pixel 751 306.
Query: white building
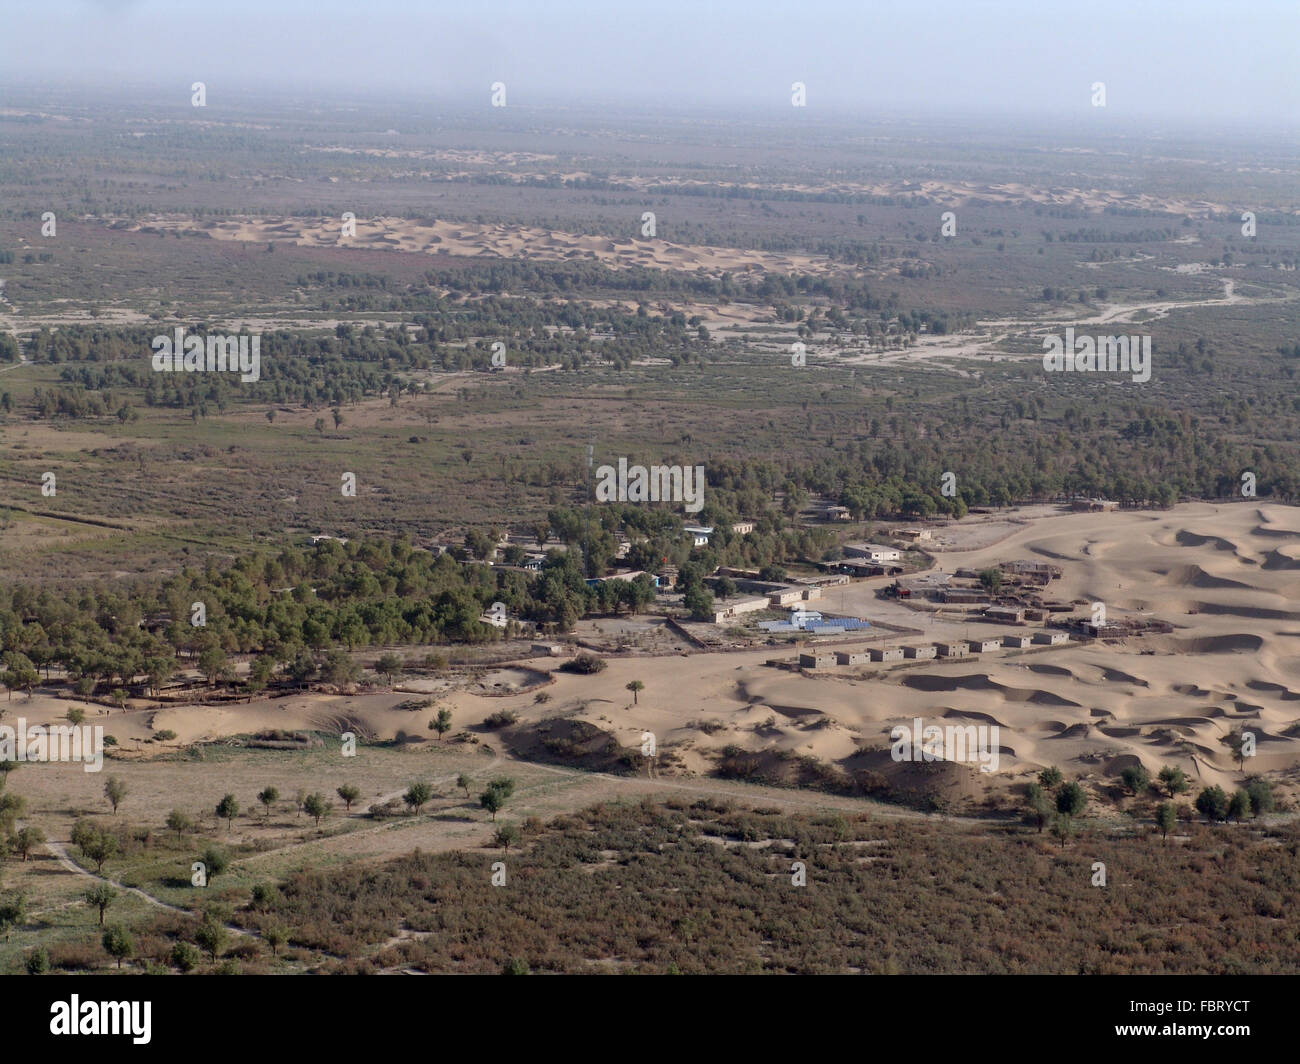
pixel 874 552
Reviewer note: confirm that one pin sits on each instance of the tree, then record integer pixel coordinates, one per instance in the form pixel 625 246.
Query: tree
pixel 636 687
pixel 114 791
pixel 185 957
pixel 299 797
pixel 215 861
pixel 100 897
pixel 97 847
pixel 698 603
pixel 316 806
pixel 1062 828
pixel 1166 818
pixel 338 416
pixel 26 840
pixel 1261 795
pixel 1237 741
pixel 276 936
pixel 417 794
pixel 495 797
pixel 228 809
pixel 349 792
pixel 505 835
pixel 118 943
pixel 211 937
pixel 1238 805
pixel 213 664
pixel 1038 807
pixel 1212 803
pixel 441 723
pixel 268 797
pixel 339 669
pixel 38 961
pixel 991 579
pixel 463 781
pixel 179 823
pixel 1136 779
pixel 11 808
pixel 1071 799
pixel 388 666
pixel 13 911
pixel 319 426
pixel 1050 778
pixel 1174 779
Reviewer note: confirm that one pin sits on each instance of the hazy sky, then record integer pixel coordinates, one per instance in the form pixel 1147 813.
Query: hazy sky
pixel 1237 59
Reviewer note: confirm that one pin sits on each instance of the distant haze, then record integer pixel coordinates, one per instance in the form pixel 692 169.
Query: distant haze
pixel 1186 60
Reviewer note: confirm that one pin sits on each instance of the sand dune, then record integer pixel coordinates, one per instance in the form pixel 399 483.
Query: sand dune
pixel 494 241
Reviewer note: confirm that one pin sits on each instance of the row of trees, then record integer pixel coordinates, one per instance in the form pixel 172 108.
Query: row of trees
pixel 1051 801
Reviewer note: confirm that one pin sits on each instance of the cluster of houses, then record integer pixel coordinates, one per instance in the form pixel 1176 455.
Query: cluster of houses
pixel 1017 600
pixel 963 648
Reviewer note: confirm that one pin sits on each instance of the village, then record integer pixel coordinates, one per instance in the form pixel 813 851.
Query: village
pixel 882 604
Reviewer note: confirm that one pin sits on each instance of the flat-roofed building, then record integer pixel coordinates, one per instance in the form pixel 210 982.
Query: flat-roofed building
pixel 736 607
pixel 983 646
pixel 959 649
pixel 886 653
pixel 1017 641
pixel 924 653
pixel 786 596
pixel 1005 614
pixel 851 657
pixel 1051 639
pixel 821 659
pixel 873 552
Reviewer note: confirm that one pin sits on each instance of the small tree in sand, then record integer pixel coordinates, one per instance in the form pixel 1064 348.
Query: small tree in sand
pixel 388 666
pixel 636 687
pixel 1174 779
pixel 228 809
pixel 316 806
pixel 114 791
pixel 417 795
pixel 441 723
pixel 268 797
pixel 349 792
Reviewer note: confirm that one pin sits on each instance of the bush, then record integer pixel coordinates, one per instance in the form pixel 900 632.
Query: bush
pixel 584 664
pixel 501 718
